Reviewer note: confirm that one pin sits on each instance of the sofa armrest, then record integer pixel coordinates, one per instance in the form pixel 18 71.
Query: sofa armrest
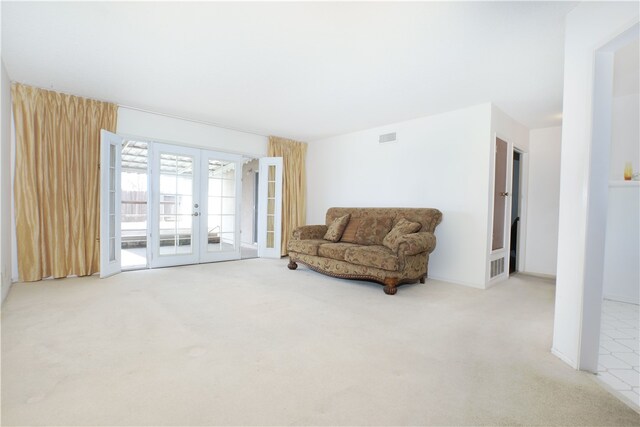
pixel 415 243
pixel 306 232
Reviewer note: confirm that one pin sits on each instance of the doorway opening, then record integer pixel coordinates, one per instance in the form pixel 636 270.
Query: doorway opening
pixel 614 347
pixel 165 205
pixel 515 211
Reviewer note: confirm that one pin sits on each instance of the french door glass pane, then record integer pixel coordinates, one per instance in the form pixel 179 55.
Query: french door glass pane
pixel 221 205
pixel 112 202
pixel 176 204
pixel 499 197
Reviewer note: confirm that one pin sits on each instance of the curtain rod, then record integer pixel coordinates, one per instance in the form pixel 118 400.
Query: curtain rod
pixel 202 122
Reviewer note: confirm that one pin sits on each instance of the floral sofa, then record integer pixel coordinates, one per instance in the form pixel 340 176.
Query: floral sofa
pixel 387 245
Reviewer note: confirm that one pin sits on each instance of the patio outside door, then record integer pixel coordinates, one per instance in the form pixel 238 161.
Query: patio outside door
pixel 220 194
pixel 193 201
pixel 194 204
pixel 174 201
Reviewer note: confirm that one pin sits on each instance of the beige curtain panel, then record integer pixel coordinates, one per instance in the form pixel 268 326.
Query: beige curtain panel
pixel 57 185
pixel 294 184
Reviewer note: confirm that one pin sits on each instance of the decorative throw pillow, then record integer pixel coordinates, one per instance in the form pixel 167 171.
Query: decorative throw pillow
pixel 402 227
pixel 334 233
pixel 372 230
pixel 349 234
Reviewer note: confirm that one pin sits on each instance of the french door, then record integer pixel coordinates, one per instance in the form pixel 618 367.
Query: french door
pixel 174 202
pixel 110 147
pixel 220 196
pixel 270 207
pixel 194 205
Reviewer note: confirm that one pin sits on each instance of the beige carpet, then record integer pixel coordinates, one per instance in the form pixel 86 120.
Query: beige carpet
pixel 251 342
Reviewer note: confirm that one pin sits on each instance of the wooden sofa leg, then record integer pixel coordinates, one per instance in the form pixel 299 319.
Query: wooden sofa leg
pixel 422 279
pixel 292 265
pixel 390 286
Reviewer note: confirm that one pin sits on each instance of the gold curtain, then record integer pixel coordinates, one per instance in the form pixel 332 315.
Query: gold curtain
pixel 294 184
pixel 57 183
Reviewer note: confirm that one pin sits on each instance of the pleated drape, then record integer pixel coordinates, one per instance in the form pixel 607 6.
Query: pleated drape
pixel 294 184
pixel 57 185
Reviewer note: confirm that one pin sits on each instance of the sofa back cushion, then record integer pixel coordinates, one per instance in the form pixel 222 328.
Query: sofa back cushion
pixel 367 230
pixel 401 228
pixel 427 217
pixel 372 230
pixel 336 228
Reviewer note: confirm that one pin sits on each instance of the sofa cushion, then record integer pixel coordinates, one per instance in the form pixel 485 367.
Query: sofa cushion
pixel 309 246
pixel 349 234
pixel 372 230
pixel 335 230
pixel 402 227
pixel 335 250
pixel 372 256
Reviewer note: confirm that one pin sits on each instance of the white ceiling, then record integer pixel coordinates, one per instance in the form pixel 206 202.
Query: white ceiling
pixel 299 70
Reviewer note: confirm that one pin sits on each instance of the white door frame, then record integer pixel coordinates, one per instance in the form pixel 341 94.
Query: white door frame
pixel 597 198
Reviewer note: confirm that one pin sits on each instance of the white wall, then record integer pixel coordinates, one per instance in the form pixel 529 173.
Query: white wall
pixel 5 182
pixel 625 136
pixel 509 130
pixel 544 200
pixel 588 26
pixel 622 244
pixel 440 161
pixel 162 128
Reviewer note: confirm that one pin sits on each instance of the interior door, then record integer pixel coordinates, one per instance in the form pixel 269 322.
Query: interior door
pixel 270 207
pixel 110 233
pixel 219 213
pixel 175 205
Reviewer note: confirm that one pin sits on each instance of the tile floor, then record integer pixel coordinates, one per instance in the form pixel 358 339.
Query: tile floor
pixel 619 362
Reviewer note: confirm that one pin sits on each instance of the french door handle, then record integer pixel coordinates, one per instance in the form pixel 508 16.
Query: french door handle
pixel 504 193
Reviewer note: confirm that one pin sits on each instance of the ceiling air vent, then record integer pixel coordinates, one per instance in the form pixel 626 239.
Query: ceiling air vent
pixel 387 137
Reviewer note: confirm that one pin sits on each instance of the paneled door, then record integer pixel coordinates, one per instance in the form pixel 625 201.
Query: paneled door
pixel 175 203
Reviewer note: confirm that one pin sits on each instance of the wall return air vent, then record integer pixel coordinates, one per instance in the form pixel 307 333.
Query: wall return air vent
pixel 387 137
pixel 497 267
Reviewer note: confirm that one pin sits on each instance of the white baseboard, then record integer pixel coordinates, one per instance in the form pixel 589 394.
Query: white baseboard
pixel 539 275
pixel 6 287
pixel 564 358
pixel 456 282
